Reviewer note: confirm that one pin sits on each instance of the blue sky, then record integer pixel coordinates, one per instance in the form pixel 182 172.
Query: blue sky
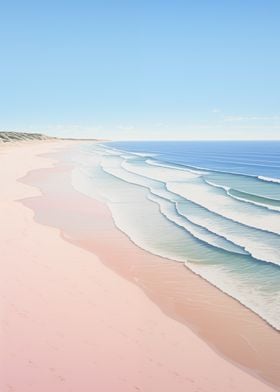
pixel 141 69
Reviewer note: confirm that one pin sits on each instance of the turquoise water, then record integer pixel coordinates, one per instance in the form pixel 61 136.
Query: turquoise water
pixel 213 206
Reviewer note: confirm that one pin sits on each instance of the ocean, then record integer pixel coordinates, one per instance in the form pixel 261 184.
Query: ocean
pixel 214 206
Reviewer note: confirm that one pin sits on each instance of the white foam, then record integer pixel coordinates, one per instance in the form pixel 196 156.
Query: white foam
pixel 168 209
pixel 221 204
pixel 269 179
pixel 260 301
pixel 228 189
pixel 268 206
pixel 161 173
pixel 114 167
pixel 174 167
pixel 261 245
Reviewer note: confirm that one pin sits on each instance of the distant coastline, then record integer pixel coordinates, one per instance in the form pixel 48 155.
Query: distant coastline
pixel 6 137
pixel 10 136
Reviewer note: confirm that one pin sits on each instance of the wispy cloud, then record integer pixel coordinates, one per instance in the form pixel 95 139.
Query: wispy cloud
pixel 251 118
pixel 161 125
pixel 246 118
pixel 126 127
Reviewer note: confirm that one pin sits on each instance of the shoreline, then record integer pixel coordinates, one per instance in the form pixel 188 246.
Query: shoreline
pixel 206 370
pixel 248 336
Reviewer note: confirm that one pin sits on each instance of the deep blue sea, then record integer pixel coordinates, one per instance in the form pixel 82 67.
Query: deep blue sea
pixel 214 206
pixel 256 158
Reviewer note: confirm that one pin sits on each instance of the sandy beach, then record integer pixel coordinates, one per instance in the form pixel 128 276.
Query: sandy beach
pixel 84 309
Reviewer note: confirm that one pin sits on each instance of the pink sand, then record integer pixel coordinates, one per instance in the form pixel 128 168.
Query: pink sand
pixel 71 324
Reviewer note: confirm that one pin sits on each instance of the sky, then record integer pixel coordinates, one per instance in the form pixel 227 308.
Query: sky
pixel 141 69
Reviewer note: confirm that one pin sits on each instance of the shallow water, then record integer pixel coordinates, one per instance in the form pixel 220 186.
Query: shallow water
pixel 202 204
